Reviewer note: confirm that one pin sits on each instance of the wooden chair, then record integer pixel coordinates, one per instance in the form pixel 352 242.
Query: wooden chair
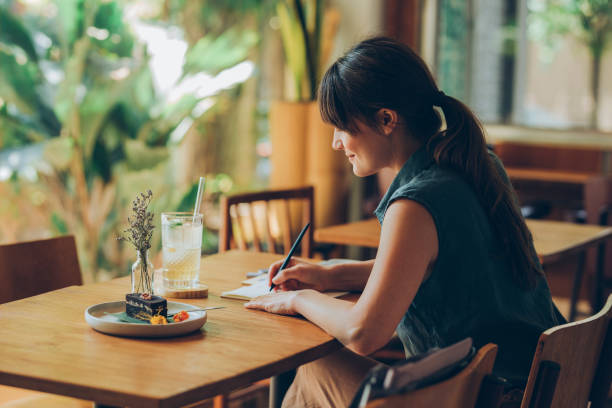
pixel 35 267
pixel 565 362
pixel 28 269
pixel 460 391
pixel 243 216
pixel 248 221
pixel 601 390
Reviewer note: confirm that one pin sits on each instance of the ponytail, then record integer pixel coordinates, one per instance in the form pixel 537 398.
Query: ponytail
pixel 462 147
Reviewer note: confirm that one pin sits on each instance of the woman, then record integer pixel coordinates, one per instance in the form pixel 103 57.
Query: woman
pixel 455 257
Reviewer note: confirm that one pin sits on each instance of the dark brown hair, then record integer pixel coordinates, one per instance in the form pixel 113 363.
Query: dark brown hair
pixel 382 73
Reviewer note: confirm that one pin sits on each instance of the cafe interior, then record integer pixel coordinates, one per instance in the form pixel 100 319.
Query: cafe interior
pixel 174 150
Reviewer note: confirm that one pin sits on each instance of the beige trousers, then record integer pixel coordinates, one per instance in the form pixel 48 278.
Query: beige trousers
pixel 328 382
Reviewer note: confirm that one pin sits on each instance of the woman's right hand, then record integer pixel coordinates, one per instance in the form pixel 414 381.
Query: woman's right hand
pixel 298 274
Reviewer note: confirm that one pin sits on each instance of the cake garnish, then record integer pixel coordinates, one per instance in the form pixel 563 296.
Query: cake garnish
pixel 180 316
pixel 158 319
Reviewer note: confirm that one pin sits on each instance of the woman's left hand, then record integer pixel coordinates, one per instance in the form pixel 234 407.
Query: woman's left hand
pixel 280 302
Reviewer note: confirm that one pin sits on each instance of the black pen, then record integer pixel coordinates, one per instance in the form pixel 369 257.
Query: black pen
pixel 291 251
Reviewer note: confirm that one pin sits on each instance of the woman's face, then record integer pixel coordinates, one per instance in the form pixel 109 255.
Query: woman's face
pixel 367 150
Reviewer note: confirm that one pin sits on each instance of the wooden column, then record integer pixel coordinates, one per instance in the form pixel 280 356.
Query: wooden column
pixel 402 21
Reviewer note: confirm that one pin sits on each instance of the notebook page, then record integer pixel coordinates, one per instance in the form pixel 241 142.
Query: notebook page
pixel 257 279
pixel 258 289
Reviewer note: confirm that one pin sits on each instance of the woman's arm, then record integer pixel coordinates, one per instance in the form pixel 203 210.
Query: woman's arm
pixel 408 245
pixel 301 274
pixel 350 276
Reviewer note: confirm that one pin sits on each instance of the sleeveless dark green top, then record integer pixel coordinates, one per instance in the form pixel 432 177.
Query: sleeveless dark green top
pixel 469 292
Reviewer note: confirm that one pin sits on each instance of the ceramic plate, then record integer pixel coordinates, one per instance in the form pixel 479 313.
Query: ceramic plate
pixel 98 317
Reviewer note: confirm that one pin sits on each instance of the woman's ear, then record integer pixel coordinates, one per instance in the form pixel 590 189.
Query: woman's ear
pixel 387 120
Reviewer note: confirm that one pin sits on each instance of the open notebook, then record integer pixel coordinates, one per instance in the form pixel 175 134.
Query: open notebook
pixel 249 292
pixel 258 286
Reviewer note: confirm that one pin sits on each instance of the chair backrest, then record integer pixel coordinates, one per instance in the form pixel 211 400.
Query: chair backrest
pixel 35 267
pixel 458 391
pixel 600 390
pixel 575 349
pixel 263 220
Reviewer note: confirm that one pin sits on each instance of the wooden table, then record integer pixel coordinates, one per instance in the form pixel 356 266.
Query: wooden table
pixel 46 345
pixel 553 242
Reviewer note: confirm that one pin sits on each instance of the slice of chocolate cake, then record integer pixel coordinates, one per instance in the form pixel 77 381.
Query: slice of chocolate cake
pixel 144 307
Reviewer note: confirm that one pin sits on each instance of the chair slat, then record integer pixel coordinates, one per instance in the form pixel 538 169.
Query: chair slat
pixel 226 226
pixel 287 226
pixel 308 216
pixel 267 232
pixel 239 229
pixel 251 216
pixel 278 206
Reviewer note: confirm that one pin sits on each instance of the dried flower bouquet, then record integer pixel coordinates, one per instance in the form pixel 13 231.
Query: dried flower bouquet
pixel 142 303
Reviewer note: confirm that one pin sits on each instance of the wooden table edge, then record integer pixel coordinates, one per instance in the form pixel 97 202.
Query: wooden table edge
pixel 110 397
pixel 602 236
pixel 118 398
pixel 354 242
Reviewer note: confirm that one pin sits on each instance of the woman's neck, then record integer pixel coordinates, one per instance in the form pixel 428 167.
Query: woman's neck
pixel 404 147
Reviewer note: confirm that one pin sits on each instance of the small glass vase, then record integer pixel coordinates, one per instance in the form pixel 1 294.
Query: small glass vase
pixel 142 274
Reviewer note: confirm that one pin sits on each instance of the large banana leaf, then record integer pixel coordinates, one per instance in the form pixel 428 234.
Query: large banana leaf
pixel 66 97
pixel 140 156
pixel 294 46
pixel 70 22
pixel 102 96
pixel 301 25
pixel 19 85
pixel 212 54
pixel 109 16
pixel 18 82
pixel 13 32
pixel 18 130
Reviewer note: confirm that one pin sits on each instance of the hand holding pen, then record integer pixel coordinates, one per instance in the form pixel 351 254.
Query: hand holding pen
pixel 290 254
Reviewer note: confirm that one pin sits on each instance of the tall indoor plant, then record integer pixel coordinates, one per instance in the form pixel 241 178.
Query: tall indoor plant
pixel 301 142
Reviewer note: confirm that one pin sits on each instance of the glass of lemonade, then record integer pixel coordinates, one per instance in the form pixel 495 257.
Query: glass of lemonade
pixel 181 249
